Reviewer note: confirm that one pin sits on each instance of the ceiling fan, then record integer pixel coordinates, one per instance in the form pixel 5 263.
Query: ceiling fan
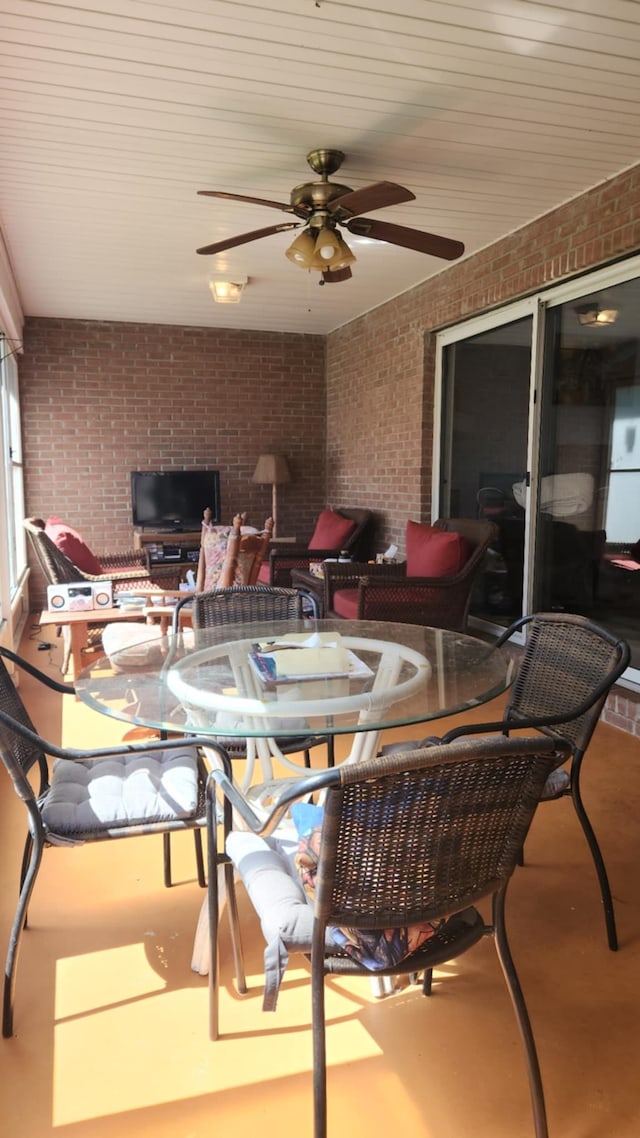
pixel 323 206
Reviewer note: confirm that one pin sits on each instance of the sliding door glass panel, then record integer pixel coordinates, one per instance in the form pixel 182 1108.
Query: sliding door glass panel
pixel 587 556
pixel 485 416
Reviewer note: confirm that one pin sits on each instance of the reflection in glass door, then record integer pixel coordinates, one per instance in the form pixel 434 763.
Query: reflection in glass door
pixel 587 548
pixel 485 416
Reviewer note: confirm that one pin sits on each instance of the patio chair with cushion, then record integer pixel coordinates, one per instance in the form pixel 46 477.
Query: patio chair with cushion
pixel 90 796
pixel 335 530
pixel 383 879
pixel 432 587
pixel 568 667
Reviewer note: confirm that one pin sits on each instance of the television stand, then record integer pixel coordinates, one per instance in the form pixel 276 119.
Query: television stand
pixel 161 550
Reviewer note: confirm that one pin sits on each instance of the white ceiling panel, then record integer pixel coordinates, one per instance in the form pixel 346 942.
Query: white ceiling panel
pixel 112 120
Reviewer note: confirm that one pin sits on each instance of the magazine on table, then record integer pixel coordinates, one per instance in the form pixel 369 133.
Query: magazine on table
pixel 303 656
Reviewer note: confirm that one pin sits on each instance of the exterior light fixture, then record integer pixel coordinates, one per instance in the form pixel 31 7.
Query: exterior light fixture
pixel 228 292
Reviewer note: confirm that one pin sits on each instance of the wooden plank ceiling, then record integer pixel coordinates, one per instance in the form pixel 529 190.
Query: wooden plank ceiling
pixel 113 116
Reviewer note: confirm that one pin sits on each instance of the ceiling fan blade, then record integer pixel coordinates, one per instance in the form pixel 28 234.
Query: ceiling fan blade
pixel 375 196
pixel 429 243
pixel 231 242
pixel 243 198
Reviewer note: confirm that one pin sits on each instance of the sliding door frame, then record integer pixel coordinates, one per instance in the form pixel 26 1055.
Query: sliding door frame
pixel 536 307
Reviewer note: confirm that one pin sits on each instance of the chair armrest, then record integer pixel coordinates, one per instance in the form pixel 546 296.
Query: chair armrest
pixel 283 558
pixel 130 559
pixel 438 602
pixel 291 790
pixel 348 574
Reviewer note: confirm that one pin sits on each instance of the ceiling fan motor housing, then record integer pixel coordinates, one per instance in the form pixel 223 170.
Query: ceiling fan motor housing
pixel 314 197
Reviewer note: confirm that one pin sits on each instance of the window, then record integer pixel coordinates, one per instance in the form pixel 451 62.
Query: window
pixel 13 559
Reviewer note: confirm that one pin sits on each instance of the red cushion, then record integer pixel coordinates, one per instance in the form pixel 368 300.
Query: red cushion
pixel 264 573
pixel 332 530
pixel 345 603
pixel 71 544
pixel 433 552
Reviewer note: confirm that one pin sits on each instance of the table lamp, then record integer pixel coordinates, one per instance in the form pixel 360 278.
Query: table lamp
pixel 274 469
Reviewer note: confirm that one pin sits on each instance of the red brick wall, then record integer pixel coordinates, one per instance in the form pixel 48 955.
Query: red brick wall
pixel 380 368
pixel 101 399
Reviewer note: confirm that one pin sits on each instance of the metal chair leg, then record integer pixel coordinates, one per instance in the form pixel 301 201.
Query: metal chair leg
pixel 19 921
pixel 197 838
pixel 522 1015
pixel 166 859
pixel 598 861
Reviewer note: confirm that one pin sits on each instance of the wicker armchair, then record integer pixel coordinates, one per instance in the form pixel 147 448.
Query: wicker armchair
pixel 405 845
pixel 567 669
pixel 90 796
pixel 284 558
pixel 126 570
pixel 385 592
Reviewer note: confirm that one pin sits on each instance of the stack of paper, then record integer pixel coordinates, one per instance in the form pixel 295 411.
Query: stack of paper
pixel 302 656
pixel 325 661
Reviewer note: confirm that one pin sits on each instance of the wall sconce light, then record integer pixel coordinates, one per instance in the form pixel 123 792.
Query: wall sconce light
pixel 593 316
pixel 228 292
pixel 273 469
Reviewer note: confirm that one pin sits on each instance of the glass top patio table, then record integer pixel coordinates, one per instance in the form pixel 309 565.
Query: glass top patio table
pixel 204 683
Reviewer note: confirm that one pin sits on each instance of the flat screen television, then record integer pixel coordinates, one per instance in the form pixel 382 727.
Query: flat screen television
pixel 174 500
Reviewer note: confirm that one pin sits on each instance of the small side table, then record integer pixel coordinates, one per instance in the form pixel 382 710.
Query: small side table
pixel 308 583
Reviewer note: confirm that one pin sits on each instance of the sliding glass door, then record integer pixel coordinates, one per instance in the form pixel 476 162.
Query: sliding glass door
pixel 483 469
pixel 539 411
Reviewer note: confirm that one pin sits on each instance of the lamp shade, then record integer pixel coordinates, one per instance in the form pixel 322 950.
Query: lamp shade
pixel 302 249
pixel 330 251
pixel 272 468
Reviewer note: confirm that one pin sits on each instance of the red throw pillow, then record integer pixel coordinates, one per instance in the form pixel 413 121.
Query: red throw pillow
pixel 71 544
pixel 332 530
pixel 434 552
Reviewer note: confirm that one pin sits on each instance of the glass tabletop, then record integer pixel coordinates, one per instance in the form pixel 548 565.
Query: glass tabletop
pixel 289 678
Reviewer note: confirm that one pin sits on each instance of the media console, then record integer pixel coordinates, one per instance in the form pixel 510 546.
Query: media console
pixel 170 548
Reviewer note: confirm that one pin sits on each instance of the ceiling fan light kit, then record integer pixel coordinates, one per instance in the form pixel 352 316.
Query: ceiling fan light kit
pixel 301 251
pixel 321 207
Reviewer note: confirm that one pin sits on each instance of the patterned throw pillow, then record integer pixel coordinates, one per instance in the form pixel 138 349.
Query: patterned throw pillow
pixel 375 949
